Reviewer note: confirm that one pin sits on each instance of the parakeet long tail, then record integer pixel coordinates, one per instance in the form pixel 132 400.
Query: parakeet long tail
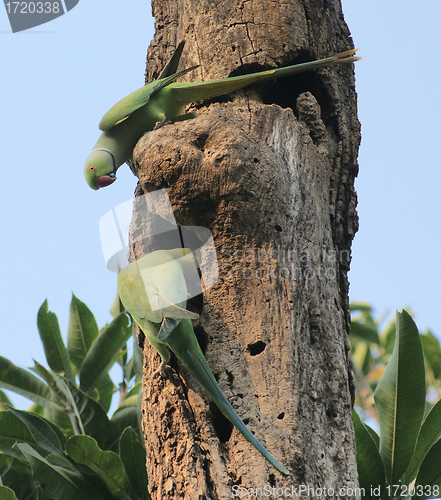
pixel 196 364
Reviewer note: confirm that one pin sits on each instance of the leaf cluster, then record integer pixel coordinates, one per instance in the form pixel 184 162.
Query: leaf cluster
pixel 66 446
pixel 404 460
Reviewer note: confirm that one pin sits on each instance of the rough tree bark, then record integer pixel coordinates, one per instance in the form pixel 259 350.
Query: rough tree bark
pixel 270 171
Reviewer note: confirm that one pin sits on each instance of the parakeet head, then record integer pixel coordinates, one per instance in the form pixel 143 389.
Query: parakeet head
pixel 100 168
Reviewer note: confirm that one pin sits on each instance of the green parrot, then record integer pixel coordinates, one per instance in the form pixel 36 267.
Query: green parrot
pixel 153 290
pixel 163 101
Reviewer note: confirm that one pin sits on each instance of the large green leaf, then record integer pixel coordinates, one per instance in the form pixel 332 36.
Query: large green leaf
pixel 60 483
pixel 428 481
pixel 22 382
pixel 108 465
pixel 7 494
pixel 429 434
pixel 82 331
pixel 400 399
pixel 41 430
pixel 16 474
pixel 106 389
pixel 94 419
pixel 104 352
pixel 369 464
pixel 12 429
pixel 133 456
pixel 121 419
pixel 56 353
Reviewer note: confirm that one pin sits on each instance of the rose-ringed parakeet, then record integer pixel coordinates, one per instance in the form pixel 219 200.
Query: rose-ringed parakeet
pixel 163 100
pixel 153 290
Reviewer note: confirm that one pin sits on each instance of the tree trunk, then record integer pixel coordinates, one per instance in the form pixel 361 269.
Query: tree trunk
pixel 270 171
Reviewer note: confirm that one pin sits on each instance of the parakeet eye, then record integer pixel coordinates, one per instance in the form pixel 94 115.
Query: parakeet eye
pixel 92 168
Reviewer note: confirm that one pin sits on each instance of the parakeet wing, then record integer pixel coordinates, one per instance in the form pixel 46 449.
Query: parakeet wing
pixel 172 66
pixel 125 107
pixel 131 289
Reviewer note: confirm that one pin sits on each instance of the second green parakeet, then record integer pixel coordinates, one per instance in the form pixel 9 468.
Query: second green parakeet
pixel 153 290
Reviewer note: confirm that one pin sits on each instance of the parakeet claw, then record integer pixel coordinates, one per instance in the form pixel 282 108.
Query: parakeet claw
pixel 159 125
pixel 162 371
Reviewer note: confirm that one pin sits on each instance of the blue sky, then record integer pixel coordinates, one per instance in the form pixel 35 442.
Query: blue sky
pixel 58 80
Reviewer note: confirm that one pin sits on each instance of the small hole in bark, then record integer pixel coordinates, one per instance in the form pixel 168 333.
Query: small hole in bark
pixel 222 426
pixel 278 228
pixel 281 416
pixel 331 411
pixel 200 141
pixel 256 348
pixel 233 48
pixel 256 160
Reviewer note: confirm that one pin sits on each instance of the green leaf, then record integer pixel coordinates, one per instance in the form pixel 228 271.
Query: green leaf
pixel 400 399
pixel 56 353
pixel 429 476
pixel 61 387
pixel 7 494
pixel 104 352
pixel 17 475
pixel 374 435
pixel 51 381
pixel 138 359
pixel 93 418
pixel 133 456
pixel 432 353
pixel 364 332
pixel 105 389
pixel 429 434
pixel 22 382
pixel 108 465
pixel 4 399
pixel 369 464
pixel 134 366
pixel 41 431
pixel 12 429
pixel 82 331
pixel 61 420
pixel 60 483
pixel 121 419
pixel 134 391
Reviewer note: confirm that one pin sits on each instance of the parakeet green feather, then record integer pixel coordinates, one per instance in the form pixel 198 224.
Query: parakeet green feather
pixel 164 100
pixel 156 280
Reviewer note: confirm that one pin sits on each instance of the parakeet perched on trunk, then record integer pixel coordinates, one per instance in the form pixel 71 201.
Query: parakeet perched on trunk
pixel 163 101
pixel 153 290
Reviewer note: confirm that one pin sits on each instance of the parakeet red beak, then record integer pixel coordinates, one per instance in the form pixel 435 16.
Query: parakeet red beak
pixel 105 180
